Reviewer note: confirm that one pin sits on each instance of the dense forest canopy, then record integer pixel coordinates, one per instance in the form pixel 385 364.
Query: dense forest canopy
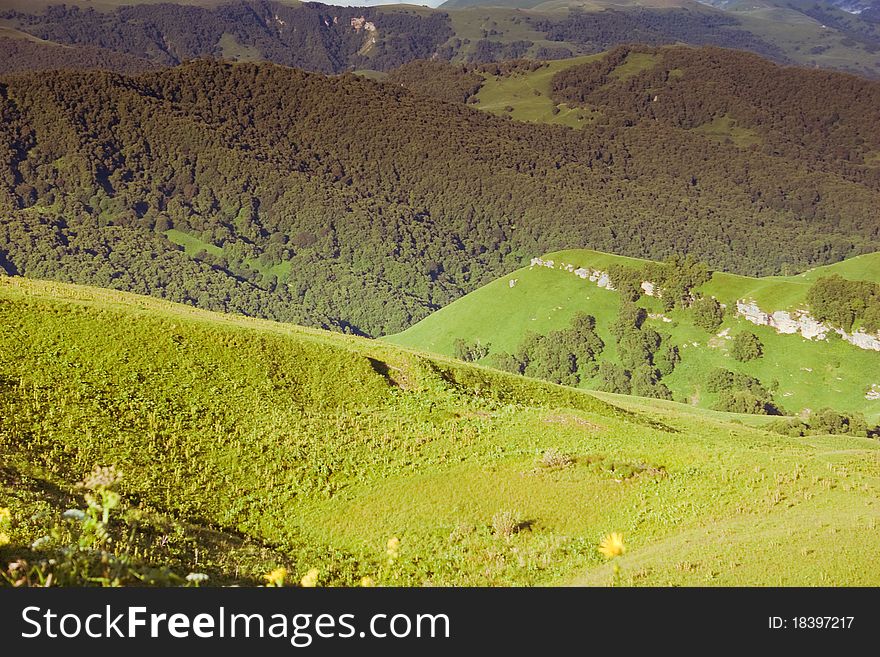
pixel 18 55
pixel 813 116
pixel 344 202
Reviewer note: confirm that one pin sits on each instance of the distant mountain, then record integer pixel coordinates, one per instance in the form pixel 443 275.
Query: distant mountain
pixel 312 36
pixel 334 39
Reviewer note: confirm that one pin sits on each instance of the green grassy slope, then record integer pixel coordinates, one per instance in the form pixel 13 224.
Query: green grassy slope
pixel 811 374
pixel 246 445
pixel 528 95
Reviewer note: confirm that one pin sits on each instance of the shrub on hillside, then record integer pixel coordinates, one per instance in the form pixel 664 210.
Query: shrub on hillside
pixel 505 524
pixel 747 346
pixel 842 303
pixel 823 422
pixel 667 358
pixel 627 281
pixel 740 401
pixel 613 378
pixel 708 314
pixel 553 458
pixel 469 351
pixel 740 393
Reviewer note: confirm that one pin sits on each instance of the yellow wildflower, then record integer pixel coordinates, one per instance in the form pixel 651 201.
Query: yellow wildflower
pixel 4 539
pixel 5 515
pixel 367 582
pixel 310 579
pixel 612 545
pixel 276 577
pixel 393 548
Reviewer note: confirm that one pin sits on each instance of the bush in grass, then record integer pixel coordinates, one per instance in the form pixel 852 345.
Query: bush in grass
pixel 553 458
pixel 747 346
pixel 708 314
pixel 505 524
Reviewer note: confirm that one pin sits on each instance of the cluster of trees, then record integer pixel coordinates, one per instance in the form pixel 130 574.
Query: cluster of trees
pixel 309 35
pixel 369 206
pixel 596 31
pixel 567 356
pixel 824 422
pixel 843 303
pixel 18 55
pixel 675 280
pixel 449 82
pixel 827 120
pixel 644 357
pixel 741 393
pixel 470 350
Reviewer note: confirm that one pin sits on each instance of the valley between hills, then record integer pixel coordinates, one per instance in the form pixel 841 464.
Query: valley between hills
pixel 452 300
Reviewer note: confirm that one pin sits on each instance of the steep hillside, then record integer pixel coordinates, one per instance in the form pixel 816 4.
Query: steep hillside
pixel 327 38
pixel 804 373
pixel 244 446
pixel 20 52
pixel 306 35
pixel 260 189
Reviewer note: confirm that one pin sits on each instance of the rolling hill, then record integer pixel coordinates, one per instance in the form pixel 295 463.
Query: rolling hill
pixel 343 202
pixel 808 374
pixel 245 445
pixel 335 39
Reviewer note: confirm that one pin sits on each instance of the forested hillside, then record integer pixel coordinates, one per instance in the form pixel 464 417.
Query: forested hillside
pixel 19 54
pixel 345 202
pixel 333 39
pixel 310 35
pixel 785 111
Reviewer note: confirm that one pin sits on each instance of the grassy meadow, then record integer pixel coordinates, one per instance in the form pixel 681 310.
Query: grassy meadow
pixel 810 374
pixel 246 446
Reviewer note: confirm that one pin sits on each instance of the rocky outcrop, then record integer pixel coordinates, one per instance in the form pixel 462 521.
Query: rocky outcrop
pixel 801 322
pixel 597 276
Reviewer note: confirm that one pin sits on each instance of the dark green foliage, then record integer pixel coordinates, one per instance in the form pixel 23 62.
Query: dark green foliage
pixel 627 281
pixel 470 351
pixel 566 356
pixel 645 382
pixel 741 401
pixel 667 358
pixel 746 346
pixel 843 303
pixel 630 317
pixel 506 362
pixel 348 203
pixel 455 84
pixel 485 50
pixel 676 278
pixel 830 421
pixel 19 55
pixel 707 314
pixel 813 115
pixel 740 393
pixel 642 357
pixel 823 422
pixel 613 378
pixel 311 36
